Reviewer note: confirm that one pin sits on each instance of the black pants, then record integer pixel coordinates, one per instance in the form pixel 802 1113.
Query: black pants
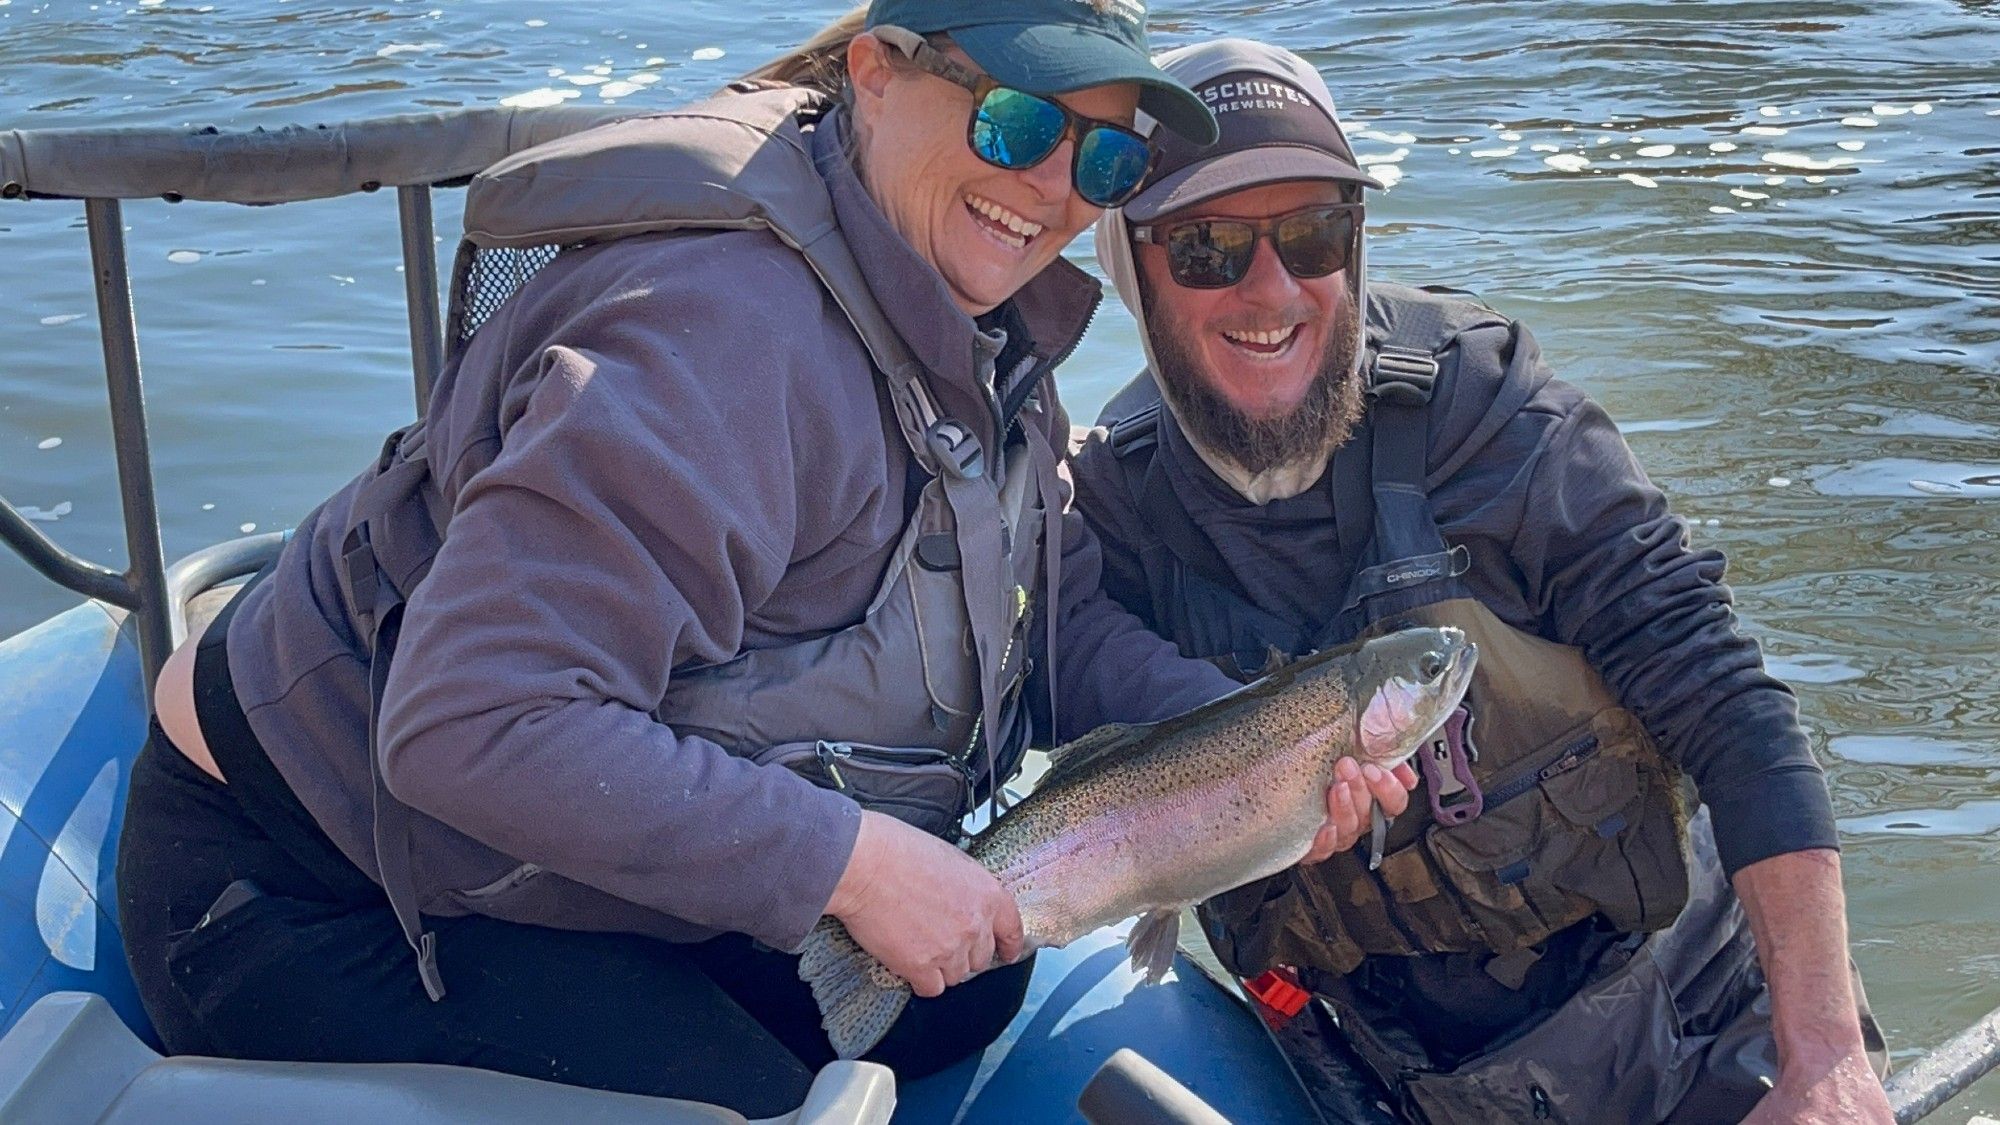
pixel 313 967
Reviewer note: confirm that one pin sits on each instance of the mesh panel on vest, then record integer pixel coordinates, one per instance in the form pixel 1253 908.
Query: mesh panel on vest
pixel 494 275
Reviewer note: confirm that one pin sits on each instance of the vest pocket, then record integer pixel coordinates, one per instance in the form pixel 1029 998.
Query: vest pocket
pixel 1629 861
pixel 920 786
pixel 1583 836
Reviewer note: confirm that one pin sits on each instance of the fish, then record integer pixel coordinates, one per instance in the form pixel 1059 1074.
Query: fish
pixel 1148 819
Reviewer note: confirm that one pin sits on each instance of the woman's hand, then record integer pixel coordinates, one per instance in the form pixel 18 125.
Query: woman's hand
pixel 923 908
pixel 1354 788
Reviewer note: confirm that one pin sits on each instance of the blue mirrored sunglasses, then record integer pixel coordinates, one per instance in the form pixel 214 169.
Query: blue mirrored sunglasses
pixel 1016 130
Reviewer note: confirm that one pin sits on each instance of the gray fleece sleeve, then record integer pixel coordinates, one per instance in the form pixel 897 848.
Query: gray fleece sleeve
pixel 1611 568
pixel 647 497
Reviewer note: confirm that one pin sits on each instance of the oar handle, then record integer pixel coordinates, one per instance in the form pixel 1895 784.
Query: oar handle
pixel 1942 1075
pixel 1128 1090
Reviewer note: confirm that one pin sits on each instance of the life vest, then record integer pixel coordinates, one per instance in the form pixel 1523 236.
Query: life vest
pixel 904 710
pixel 1543 801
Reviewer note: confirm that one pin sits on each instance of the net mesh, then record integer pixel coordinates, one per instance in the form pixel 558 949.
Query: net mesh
pixel 493 275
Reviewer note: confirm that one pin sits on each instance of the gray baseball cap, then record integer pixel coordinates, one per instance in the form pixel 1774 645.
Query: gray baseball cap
pixel 1276 119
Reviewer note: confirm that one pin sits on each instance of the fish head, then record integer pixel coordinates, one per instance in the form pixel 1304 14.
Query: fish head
pixel 1410 681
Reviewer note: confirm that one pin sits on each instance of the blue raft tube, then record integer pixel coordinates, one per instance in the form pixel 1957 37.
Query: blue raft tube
pixel 74 700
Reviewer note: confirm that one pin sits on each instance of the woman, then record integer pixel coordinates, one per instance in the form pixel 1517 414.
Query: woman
pixel 681 540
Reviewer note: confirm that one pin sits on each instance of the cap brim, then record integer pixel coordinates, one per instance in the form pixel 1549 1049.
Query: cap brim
pixel 1058 59
pixel 1235 171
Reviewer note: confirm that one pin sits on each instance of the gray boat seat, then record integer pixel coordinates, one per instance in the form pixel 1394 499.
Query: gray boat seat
pixel 71 1061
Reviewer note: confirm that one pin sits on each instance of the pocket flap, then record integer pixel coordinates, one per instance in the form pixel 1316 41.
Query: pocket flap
pixel 920 786
pixel 1497 839
pixel 1601 788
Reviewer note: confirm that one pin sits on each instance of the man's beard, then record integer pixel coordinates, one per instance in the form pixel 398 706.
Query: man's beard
pixel 1323 420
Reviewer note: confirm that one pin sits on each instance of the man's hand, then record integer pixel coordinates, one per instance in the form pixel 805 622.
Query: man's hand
pixel 1842 1092
pixel 1355 787
pixel 1799 917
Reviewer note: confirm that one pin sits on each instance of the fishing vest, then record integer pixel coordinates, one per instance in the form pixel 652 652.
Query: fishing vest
pixel 898 710
pixel 1543 801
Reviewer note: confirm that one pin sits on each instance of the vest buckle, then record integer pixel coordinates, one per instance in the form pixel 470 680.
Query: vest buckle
pixel 1402 376
pixel 955 450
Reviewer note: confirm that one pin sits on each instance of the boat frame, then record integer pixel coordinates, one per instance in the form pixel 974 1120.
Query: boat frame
pixel 104 167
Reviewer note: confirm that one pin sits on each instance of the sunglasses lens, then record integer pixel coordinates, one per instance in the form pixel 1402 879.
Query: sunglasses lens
pixel 1016 130
pixel 1316 243
pixel 1110 165
pixel 1210 254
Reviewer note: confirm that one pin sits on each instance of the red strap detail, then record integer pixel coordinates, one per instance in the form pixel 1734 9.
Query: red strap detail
pixel 1278 995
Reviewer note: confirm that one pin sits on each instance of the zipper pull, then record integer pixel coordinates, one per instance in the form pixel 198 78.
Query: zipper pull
pixel 828 753
pixel 1569 761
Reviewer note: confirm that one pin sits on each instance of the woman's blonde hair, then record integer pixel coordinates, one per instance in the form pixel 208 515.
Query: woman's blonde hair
pixel 821 62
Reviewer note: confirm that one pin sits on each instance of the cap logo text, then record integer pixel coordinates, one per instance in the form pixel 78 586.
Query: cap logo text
pixel 1226 97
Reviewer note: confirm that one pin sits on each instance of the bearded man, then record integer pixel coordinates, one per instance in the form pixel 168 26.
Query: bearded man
pixel 1549 932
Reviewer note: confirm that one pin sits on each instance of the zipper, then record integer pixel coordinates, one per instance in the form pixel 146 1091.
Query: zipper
pixel 1571 756
pixel 831 754
pixel 505 882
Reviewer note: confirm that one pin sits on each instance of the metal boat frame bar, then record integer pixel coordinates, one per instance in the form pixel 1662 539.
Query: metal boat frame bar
pixel 104 166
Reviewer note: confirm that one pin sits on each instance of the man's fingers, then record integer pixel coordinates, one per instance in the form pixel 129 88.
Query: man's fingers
pixel 1407 774
pixel 1388 790
pixel 1353 811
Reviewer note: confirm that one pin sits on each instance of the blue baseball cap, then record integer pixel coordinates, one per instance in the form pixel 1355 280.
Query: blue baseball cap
pixel 1050 47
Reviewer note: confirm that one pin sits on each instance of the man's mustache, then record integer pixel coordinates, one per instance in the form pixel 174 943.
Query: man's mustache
pixel 1279 320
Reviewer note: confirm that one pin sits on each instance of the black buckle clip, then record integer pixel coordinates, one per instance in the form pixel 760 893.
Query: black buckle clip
pixel 955 449
pixel 1402 376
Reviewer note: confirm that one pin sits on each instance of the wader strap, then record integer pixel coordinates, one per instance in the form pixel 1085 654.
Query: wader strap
pixel 977 524
pixel 1406 534
pixel 1353 503
pixel 392 817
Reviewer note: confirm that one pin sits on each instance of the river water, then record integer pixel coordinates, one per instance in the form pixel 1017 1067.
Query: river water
pixel 1765 235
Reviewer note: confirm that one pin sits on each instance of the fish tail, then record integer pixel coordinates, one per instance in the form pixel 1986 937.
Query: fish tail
pixel 1154 940
pixel 858 997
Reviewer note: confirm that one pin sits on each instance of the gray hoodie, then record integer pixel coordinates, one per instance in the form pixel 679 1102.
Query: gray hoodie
pixel 665 450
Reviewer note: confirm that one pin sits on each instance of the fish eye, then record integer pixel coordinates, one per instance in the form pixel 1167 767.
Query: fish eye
pixel 1432 666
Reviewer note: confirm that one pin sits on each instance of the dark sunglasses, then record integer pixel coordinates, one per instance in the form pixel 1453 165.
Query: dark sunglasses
pixel 1015 130
pixel 1216 253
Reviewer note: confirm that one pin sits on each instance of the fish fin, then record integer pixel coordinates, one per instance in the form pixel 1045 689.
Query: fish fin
pixel 1153 942
pixel 1072 756
pixel 858 997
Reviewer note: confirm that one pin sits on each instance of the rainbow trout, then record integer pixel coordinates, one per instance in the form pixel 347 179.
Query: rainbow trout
pixel 1147 820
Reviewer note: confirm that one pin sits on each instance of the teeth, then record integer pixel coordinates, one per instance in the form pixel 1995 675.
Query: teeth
pixel 1021 227
pixel 1263 339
